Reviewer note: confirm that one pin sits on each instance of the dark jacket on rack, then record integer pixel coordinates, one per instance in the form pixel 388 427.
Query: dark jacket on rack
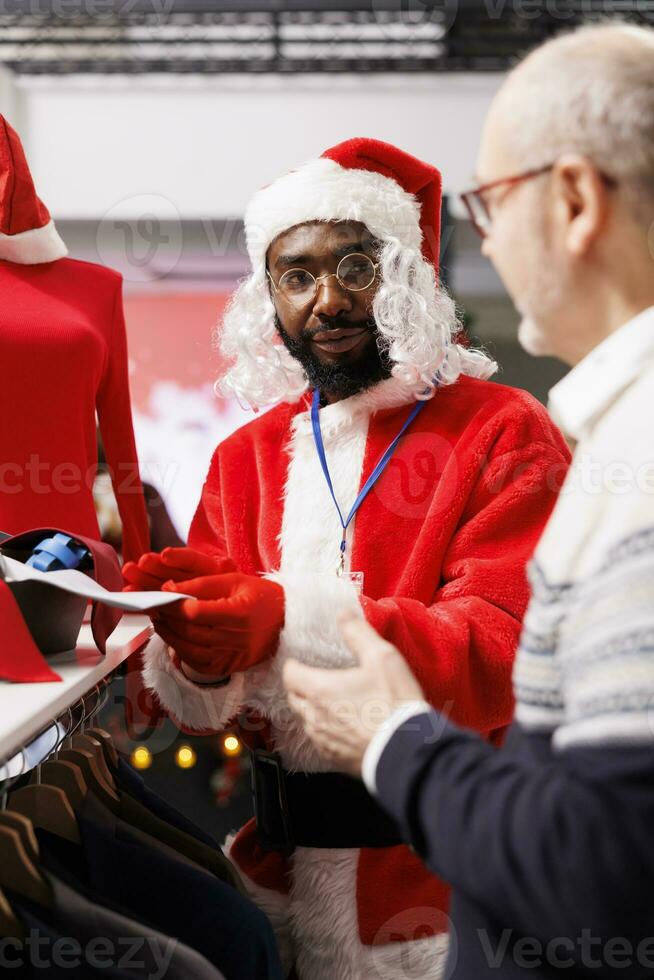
pixel 147 879
pixel 80 940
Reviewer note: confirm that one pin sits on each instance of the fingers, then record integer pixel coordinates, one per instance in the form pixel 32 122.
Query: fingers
pixel 219 613
pixel 206 586
pixel 197 655
pixel 188 560
pixel 300 706
pixel 360 637
pixel 148 574
pixel 218 599
pixel 174 565
pixel 210 635
pixel 153 564
pixel 186 650
pixel 306 682
pixel 201 636
pixel 141 581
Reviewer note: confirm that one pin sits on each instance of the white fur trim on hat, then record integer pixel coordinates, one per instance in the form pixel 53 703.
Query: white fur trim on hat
pixel 322 190
pixel 33 246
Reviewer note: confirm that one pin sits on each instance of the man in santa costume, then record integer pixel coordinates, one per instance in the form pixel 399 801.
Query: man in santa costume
pixel 391 478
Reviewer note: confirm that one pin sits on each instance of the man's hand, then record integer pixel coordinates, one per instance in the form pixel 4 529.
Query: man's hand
pixel 233 623
pixel 172 564
pixel 342 709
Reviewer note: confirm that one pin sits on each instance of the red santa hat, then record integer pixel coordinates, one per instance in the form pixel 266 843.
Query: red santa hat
pixel 392 193
pixel 27 233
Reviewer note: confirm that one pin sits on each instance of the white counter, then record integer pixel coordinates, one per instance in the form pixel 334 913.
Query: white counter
pixel 27 709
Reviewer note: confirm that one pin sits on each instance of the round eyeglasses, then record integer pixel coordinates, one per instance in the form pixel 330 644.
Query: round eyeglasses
pixel 355 272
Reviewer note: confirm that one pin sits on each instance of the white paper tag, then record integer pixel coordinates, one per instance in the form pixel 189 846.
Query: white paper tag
pixel 78 583
pixel 356 578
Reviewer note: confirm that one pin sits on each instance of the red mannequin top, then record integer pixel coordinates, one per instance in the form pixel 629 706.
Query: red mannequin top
pixel 63 356
pixel 62 338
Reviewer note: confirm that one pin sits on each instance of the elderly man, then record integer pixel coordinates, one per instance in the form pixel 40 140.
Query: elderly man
pixel 343 321
pixel 548 842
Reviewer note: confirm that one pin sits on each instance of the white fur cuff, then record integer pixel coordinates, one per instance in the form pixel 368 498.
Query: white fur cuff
pixel 310 629
pixel 192 706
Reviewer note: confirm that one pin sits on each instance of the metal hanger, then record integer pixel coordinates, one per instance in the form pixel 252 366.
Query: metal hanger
pixel 85 759
pixel 102 736
pixel 89 743
pixel 66 775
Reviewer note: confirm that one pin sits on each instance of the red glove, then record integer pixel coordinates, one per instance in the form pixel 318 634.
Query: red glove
pixel 233 623
pixel 172 565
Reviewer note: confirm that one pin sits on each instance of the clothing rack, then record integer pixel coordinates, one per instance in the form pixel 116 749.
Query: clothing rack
pixel 35 717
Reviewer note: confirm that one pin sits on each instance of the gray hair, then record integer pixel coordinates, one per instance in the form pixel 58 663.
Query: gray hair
pixel 590 91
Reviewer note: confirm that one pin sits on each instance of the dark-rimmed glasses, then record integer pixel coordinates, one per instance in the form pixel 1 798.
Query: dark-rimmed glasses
pixel 355 272
pixel 478 209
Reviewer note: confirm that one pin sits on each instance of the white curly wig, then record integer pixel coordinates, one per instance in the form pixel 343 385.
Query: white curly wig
pixel 416 319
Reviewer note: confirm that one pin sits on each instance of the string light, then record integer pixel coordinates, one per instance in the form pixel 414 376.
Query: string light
pixel 141 757
pixel 231 745
pixel 185 757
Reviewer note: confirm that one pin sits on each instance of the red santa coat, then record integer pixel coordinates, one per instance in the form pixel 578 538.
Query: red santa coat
pixel 442 541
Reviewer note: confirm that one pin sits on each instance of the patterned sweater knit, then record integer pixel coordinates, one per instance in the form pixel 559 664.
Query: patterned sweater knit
pixel 548 841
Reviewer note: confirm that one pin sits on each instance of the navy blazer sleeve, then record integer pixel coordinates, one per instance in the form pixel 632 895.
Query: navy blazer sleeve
pixel 549 847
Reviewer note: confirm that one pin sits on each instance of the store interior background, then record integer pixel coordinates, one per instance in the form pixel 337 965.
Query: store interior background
pixel 149 125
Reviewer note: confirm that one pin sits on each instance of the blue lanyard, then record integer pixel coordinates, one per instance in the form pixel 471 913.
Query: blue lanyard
pixel 372 479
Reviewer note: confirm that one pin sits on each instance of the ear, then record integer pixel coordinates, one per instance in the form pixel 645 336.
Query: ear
pixel 583 203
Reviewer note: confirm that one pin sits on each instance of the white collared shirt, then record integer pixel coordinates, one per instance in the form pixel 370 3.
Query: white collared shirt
pixel 583 395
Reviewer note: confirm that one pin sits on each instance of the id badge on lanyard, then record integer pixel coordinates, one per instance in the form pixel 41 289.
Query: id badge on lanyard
pixel 355 577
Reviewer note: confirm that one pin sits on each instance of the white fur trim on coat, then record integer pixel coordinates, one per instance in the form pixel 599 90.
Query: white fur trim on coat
pixel 33 246
pixel 322 190
pixel 326 930
pixel 311 635
pixel 310 538
pixel 191 704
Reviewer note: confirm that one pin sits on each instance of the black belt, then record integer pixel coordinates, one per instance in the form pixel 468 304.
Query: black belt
pixel 296 809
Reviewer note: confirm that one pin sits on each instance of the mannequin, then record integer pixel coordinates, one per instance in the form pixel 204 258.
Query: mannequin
pixel 63 358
